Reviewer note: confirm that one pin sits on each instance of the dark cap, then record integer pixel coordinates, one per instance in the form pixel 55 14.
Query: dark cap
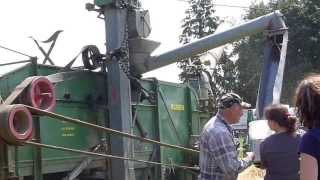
pixel 229 99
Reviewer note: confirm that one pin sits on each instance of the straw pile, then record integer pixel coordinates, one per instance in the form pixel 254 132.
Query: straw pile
pixel 252 173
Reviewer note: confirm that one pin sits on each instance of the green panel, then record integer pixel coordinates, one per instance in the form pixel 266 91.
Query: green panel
pixel 194 112
pixel 86 101
pixel 46 70
pixel 174 122
pixel 67 134
pixel 147 117
pixel 24 159
pixel 181 102
pixel 10 80
pixel 102 2
pixel 85 95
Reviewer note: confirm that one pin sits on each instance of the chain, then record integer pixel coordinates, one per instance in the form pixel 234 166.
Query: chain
pixel 124 60
pixel 129 4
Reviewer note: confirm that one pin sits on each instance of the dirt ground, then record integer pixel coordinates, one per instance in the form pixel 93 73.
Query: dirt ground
pixel 252 173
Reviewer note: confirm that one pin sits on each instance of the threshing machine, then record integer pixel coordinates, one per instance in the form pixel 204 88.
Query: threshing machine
pixel 103 121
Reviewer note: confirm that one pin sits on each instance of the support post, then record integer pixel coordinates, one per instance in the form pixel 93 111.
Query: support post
pixel 119 95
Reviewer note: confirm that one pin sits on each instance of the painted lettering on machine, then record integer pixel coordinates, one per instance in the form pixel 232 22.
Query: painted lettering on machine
pixel 177 107
pixel 68 131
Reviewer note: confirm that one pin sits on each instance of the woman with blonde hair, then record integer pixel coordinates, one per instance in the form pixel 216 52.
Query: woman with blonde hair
pixel 307 102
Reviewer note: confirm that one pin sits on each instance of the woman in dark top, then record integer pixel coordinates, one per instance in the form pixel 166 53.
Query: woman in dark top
pixel 279 152
pixel 307 102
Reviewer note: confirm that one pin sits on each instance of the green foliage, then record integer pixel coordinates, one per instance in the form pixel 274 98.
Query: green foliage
pixel 199 22
pixel 225 76
pixel 302 17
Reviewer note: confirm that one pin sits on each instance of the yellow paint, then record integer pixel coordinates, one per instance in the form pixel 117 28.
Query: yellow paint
pixel 177 107
pixel 68 128
pixel 67 134
pixel 68 131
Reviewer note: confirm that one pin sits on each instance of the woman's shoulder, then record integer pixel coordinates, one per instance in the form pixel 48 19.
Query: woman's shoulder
pixel 270 139
pixel 310 143
pixel 313 134
pixel 282 138
pixel 277 136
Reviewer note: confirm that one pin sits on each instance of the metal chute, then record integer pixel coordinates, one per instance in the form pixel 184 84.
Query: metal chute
pixel 270 22
pixel 211 57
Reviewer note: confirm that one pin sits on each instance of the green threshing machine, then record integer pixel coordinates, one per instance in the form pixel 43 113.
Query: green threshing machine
pixel 103 121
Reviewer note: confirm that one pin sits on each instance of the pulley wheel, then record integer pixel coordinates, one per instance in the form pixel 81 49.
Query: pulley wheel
pixel 90 57
pixel 41 94
pixel 15 124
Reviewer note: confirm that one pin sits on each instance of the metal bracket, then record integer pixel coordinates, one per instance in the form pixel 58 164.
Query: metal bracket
pixel 85 163
pixel 276 32
pixel 53 38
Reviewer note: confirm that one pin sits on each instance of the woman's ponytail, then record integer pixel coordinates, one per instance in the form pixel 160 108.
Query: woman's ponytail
pixel 292 124
pixel 279 113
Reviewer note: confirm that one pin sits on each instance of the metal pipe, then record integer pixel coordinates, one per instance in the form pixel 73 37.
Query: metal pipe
pixel 105 129
pixel 106 155
pixel 31 57
pixel 16 62
pixel 272 21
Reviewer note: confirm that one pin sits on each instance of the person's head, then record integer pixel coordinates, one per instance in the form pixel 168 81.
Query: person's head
pixel 279 118
pixel 307 101
pixel 231 106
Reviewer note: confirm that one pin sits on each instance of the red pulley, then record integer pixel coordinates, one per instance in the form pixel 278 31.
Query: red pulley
pixel 41 94
pixel 15 124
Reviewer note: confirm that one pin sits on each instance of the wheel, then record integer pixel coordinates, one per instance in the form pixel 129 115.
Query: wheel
pixel 90 57
pixel 41 94
pixel 16 124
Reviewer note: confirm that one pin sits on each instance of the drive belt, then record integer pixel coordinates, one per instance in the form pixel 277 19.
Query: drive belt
pixel 53 78
pixel 18 90
pixel 105 129
pixel 171 165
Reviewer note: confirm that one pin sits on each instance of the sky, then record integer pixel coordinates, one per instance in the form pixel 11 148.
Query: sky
pixel 40 18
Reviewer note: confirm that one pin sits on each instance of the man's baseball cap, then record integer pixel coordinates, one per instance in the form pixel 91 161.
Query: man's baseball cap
pixel 227 100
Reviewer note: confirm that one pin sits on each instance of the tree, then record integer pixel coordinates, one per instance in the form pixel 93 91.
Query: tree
pixel 199 22
pixel 302 17
pixel 225 76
